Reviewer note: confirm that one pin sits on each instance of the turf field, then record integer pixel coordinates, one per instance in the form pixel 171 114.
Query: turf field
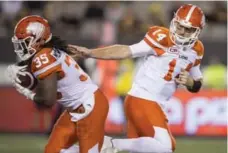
pixel 21 143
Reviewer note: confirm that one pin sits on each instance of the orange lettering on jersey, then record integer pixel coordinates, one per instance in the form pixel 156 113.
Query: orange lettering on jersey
pixel 42 59
pixel 83 77
pixel 159 35
pixel 189 67
pixel 172 64
pixel 158 38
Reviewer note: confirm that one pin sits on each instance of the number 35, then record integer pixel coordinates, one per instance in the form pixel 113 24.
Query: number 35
pixel 42 59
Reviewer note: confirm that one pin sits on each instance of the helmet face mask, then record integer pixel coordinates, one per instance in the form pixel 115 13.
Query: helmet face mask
pixel 183 34
pixel 23 47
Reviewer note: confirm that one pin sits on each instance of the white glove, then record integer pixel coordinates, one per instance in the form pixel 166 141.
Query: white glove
pixel 24 91
pixel 12 72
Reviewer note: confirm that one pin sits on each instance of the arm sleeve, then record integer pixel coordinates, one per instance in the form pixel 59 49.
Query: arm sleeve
pixel 141 49
pixel 196 73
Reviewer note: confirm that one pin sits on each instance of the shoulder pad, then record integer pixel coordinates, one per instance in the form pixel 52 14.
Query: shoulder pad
pixel 45 61
pixel 159 36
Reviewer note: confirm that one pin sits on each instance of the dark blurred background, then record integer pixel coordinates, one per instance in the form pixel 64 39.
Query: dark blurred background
pixel 95 24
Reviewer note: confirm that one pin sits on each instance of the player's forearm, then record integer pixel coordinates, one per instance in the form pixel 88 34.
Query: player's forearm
pixel 111 53
pixel 43 101
pixel 46 90
pixel 44 98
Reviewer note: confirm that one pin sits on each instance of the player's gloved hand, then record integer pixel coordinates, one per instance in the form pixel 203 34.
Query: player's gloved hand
pixel 12 72
pixel 24 91
pixel 184 78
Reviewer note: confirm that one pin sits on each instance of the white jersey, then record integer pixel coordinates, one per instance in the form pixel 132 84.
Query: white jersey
pixel 74 86
pixel 155 79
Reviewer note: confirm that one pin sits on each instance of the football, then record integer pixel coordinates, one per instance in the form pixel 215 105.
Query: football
pixel 27 80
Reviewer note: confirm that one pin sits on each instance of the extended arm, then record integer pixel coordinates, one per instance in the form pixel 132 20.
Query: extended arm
pixel 114 52
pixel 111 52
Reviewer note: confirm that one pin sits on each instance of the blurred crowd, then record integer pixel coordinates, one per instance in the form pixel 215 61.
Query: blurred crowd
pixel 109 22
pixel 103 20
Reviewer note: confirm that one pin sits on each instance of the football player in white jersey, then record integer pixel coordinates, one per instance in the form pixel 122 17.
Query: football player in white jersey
pixel 171 58
pixel 59 79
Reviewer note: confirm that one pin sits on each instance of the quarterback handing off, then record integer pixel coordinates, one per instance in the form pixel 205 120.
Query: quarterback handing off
pixel 59 78
pixel 171 57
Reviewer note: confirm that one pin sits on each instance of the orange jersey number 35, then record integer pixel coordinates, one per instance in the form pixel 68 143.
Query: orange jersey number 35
pixel 40 60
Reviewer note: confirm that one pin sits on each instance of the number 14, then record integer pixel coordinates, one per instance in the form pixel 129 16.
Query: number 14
pixel 160 36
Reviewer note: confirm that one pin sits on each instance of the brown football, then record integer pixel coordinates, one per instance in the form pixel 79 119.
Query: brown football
pixel 27 81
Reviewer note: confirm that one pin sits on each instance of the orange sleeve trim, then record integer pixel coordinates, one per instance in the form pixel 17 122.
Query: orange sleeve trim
pixel 189 67
pixel 157 50
pixel 172 64
pixel 49 71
